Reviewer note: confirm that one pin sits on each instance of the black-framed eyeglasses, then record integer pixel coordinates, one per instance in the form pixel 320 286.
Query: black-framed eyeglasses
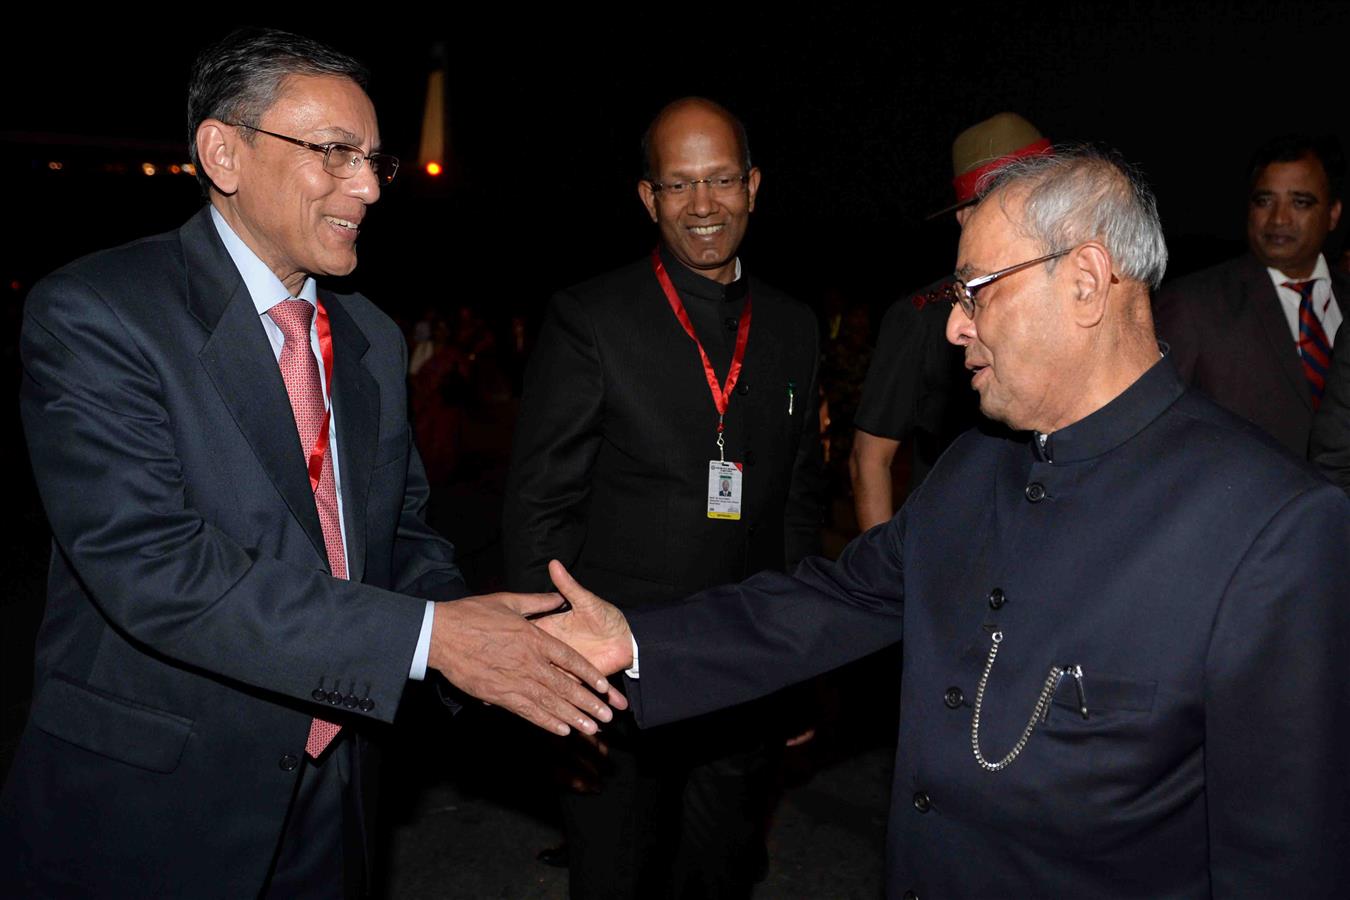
pixel 339 160
pixel 720 185
pixel 963 292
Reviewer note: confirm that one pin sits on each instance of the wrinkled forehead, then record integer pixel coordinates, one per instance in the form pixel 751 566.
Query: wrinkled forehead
pixel 333 107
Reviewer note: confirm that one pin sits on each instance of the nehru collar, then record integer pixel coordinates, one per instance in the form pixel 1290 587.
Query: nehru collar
pixel 1116 422
pixel 690 283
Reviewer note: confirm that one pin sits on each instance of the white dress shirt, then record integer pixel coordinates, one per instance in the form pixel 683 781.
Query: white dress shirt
pixel 1325 305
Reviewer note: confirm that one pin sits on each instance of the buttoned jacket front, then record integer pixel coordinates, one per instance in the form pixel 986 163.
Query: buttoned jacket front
pixel 1188 565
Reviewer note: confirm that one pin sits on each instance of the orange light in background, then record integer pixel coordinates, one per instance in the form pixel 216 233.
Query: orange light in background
pixel 15 285
pixel 148 168
pixel 55 166
pixel 175 169
pixel 433 168
pixel 189 168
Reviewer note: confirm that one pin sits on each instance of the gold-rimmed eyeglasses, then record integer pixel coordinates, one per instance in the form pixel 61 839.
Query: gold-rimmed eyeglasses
pixel 339 160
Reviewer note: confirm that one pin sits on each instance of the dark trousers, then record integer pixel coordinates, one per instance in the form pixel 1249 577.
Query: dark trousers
pixel 681 813
pixel 322 853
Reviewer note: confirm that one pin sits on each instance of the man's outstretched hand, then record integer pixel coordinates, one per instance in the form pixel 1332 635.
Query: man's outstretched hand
pixel 593 627
pixel 486 648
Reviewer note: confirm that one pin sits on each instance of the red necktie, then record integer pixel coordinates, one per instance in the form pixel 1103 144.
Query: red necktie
pixel 301 374
pixel 1313 347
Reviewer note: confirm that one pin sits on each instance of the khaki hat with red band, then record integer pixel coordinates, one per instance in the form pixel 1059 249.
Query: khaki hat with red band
pixel 987 146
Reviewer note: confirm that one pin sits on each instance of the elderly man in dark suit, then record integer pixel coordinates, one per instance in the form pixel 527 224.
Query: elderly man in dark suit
pixel 1125 628
pixel 668 442
pixel 241 581
pixel 1256 333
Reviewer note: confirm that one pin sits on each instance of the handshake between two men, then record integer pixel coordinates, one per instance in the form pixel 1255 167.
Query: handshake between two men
pixel 488 647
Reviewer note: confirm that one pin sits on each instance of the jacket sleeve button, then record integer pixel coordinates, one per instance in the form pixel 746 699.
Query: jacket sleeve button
pixel 289 762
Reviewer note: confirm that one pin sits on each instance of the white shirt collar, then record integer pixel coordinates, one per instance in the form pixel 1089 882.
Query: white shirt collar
pixel 263 285
pixel 1320 272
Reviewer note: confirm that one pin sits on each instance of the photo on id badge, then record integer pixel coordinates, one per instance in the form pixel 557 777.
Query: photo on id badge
pixel 724 490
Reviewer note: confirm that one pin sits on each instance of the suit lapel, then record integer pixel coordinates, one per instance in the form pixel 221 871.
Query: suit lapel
pixel 356 412
pixel 1268 316
pixel 239 360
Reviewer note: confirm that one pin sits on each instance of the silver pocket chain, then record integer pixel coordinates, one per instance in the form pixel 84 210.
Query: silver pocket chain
pixel 1038 715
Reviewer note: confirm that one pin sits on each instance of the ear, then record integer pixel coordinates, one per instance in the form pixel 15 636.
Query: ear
pixel 752 186
pixel 648 197
pixel 1089 270
pixel 1335 215
pixel 218 147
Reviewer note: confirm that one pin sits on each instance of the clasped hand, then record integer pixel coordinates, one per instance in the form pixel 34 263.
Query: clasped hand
pixel 486 647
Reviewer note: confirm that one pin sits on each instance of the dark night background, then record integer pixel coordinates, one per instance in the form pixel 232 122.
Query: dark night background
pixel 851 111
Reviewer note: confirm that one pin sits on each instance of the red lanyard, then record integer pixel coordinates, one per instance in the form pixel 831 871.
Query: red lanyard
pixel 326 351
pixel 721 394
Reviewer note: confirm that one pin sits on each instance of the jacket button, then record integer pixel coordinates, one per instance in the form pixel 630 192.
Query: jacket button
pixel 731 323
pixel 289 762
pixel 1035 492
pixel 367 705
pixel 997 598
pixel 922 802
pixel 749 457
pixel 319 694
pixel 742 388
pixel 953 698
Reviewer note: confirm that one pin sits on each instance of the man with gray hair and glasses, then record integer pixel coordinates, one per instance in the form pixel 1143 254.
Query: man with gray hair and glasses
pixel 1124 670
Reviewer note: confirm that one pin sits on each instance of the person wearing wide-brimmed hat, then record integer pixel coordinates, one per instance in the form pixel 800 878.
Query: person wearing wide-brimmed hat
pixel 916 386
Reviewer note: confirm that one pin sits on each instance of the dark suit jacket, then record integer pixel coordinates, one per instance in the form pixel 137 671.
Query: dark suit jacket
pixel 191 615
pixel 1230 338
pixel 1191 568
pixel 1331 427
pixel 609 469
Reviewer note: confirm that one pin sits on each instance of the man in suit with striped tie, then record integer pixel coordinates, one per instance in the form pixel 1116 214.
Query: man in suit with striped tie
pixel 1256 333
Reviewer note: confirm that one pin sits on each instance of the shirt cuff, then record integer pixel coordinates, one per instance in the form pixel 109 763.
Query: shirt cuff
pixel 419 663
pixel 632 672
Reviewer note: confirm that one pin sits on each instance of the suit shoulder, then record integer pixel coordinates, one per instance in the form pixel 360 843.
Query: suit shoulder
pixel 1234 451
pixel 118 270
pixel 1211 282
pixel 788 306
pixel 611 290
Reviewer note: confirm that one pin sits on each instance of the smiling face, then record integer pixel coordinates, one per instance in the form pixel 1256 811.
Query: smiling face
pixel 703 229
pixel 1289 215
pixel 1020 347
pixel 299 219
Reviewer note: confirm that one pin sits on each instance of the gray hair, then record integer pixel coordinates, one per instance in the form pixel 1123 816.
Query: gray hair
pixel 1084 194
pixel 238 79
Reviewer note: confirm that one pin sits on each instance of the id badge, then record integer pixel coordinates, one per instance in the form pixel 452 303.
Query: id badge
pixel 724 490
